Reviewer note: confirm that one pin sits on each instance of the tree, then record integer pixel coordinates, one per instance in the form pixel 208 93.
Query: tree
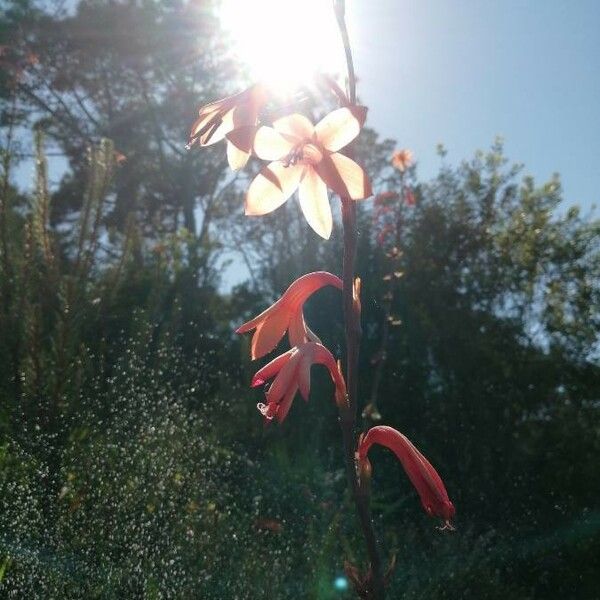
pixel 132 73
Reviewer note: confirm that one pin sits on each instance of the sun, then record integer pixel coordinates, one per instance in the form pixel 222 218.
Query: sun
pixel 284 42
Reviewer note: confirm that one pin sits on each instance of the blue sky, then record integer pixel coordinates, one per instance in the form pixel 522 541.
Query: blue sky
pixel 461 72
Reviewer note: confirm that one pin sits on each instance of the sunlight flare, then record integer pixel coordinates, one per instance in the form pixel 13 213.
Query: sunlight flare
pixel 283 42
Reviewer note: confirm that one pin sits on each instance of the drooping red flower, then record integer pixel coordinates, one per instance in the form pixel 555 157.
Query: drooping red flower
pixel 287 315
pixel 306 157
pixel 234 113
pixel 291 371
pixel 421 473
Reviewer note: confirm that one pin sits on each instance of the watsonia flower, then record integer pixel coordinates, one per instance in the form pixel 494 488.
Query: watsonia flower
pixel 306 157
pixel 423 476
pixel 287 315
pixel 402 159
pixel 234 113
pixel 291 371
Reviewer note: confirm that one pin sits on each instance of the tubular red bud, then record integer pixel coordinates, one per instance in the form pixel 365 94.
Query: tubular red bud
pixel 421 473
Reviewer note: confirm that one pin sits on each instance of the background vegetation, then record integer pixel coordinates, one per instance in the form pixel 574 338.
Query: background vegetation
pixel 133 462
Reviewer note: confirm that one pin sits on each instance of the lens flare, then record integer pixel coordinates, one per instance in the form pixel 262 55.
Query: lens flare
pixel 283 42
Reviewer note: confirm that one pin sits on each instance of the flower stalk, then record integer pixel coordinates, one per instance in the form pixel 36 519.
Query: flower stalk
pixel 374 584
pixel 313 159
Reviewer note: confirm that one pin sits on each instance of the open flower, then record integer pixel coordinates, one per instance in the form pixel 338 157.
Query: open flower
pixel 423 476
pixel 238 112
pixel 306 157
pixel 402 159
pixel 292 374
pixel 286 315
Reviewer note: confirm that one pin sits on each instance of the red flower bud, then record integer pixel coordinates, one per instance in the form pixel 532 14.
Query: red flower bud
pixel 423 476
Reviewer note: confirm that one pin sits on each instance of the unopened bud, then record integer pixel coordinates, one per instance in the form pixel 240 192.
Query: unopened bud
pixel 341 395
pixel 356 298
pixel 371 412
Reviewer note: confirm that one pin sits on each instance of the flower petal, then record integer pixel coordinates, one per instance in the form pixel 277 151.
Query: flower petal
pixel 344 176
pixel 285 378
pixel 268 333
pixel 297 328
pixel 304 377
pixel 269 144
pixel 222 123
pixel 201 121
pixel 207 129
pixel 314 202
pixel 311 335
pixel 236 157
pixel 284 406
pixel 271 368
pixel 295 125
pixel 272 187
pixel 243 115
pixel 340 127
pixel 256 321
pixel 306 285
pixel 243 137
pixel 216 119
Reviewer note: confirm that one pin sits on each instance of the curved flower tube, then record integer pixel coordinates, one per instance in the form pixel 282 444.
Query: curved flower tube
pixel 306 157
pixel 286 315
pixel 292 374
pixel 421 473
pixel 234 113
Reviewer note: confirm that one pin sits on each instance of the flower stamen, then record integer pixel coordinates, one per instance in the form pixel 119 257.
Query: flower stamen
pixel 265 410
pixel 304 153
pixel 447 526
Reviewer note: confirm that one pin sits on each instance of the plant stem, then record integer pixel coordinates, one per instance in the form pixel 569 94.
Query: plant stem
pixel 374 586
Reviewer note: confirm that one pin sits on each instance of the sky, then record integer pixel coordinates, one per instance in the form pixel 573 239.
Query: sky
pixel 461 72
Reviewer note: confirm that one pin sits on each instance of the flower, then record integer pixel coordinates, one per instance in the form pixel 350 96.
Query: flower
pixel 286 314
pixel 385 231
pixel 384 197
pixel 409 197
pixel 423 476
pixel 306 157
pixel 234 113
pixel 402 159
pixel 292 373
